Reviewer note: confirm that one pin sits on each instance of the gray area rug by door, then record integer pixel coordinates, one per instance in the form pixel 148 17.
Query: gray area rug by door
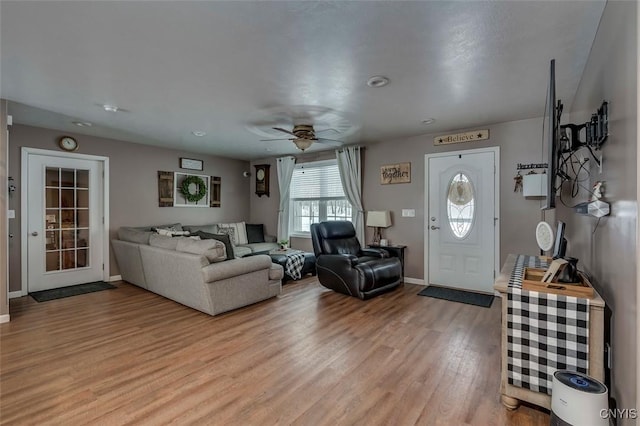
pixel 468 297
pixel 74 290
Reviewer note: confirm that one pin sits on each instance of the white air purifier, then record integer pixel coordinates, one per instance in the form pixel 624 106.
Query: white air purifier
pixel 578 400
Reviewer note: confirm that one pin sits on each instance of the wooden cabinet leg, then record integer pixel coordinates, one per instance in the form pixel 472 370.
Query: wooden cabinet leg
pixel 510 402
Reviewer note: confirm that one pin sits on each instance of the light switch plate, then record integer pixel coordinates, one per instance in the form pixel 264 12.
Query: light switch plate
pixel 11 214
pixel 408 212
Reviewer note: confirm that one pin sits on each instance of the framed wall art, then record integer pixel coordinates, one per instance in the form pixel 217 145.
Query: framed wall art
pixel 395 173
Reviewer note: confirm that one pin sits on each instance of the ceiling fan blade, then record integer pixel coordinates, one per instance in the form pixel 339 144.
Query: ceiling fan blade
pixel 283 130
pixel 279 139
pixel 327 130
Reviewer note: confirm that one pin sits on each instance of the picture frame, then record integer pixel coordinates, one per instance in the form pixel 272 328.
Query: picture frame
pixel 191 164
pixel 395 173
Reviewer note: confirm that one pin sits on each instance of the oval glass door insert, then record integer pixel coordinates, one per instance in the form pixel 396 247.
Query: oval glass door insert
pixel 460 205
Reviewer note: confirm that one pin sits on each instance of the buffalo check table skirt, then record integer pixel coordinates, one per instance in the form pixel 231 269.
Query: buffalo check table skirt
pixel 545 332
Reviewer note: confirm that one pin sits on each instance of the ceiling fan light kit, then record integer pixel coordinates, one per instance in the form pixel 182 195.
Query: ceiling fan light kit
pixel 302 144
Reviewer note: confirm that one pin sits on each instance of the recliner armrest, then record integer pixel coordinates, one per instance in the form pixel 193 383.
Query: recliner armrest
pixel 374 252
pixel 332 261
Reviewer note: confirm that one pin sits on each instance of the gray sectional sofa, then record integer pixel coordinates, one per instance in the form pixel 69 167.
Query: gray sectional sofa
pixel 191 279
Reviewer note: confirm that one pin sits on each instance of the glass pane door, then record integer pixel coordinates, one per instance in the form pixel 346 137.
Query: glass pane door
pixel 66 219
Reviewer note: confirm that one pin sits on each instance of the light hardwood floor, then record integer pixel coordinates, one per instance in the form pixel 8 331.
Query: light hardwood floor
pixel 308 357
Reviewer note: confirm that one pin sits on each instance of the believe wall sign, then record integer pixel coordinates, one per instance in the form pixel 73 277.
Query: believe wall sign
pixel 476 135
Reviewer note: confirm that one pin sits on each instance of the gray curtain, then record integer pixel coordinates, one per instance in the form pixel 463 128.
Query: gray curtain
pixel 349 164
pixel 285 166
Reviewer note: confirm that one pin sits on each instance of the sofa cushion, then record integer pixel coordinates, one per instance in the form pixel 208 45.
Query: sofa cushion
pixel 255 233
pixel 134 235
pixel 261 247
pixel 239 233
pixel 229 249
pixel 212 249
pixel 212 229
pixel 163 241
pixel 241 251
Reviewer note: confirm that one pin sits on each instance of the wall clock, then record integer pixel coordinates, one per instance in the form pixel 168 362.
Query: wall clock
pixel 262 179
pixel 68 143
pixel 544 236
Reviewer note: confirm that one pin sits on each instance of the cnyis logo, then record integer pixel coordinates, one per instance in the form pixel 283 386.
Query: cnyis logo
pixel 619 413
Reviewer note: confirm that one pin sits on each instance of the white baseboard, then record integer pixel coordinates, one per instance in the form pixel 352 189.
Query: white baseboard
pixel 115 278
pixel 14 294
pixel 4 318
pixel 414 281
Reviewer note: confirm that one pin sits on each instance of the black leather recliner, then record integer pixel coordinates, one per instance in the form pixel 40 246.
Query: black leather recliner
pixel 345 267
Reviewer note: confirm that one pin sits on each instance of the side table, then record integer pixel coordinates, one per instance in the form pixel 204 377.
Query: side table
pixel 394 251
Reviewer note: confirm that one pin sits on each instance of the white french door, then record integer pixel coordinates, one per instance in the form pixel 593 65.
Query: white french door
pixel 64 233
pixel 462 219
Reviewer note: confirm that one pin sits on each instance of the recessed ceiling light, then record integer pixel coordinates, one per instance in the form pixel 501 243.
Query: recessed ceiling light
pixel 428 121
pixel 377 81
pixel 83 123
pixel 198 133
pixel 110 108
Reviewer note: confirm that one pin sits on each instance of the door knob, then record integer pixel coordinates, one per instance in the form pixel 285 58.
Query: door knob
pixel 433 228
pixel 34 233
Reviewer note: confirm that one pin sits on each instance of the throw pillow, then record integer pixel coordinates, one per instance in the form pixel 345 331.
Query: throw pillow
pixel 231 232
pixel 213 250
pixel 172 227
pixel 220 237
pixel 212 229
pixel 170 233
pixel 255 233
pixel 240 231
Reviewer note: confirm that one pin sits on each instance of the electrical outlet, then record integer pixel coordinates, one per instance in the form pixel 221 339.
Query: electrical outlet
pixel 11 214
pixel 408 213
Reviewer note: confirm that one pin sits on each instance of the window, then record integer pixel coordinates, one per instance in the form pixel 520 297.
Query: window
pixel 460 205
pixel 316 196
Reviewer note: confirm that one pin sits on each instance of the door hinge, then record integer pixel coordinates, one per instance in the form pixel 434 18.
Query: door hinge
pixel 494 274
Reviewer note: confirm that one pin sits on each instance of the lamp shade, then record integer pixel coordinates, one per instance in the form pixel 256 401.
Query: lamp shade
pixel 380 219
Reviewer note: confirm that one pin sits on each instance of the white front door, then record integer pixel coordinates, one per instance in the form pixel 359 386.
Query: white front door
pixel 65 231
pixel 461 221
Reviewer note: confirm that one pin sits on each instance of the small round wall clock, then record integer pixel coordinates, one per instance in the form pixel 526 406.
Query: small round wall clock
pixel 68 143
pixel 544 236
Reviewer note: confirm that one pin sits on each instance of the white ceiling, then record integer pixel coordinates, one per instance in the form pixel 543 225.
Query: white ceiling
pixel 233 69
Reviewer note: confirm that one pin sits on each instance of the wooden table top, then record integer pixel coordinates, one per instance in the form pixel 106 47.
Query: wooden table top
pixel 501 283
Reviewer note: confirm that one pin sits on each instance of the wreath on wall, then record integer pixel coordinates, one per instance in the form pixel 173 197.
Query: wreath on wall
pixel 201 189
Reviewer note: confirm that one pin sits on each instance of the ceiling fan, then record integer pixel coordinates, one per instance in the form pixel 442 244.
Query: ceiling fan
pixel 304 137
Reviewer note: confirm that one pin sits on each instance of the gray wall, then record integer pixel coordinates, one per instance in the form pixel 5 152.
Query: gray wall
pixel 134 185
pixel 519 142
pixel 609 252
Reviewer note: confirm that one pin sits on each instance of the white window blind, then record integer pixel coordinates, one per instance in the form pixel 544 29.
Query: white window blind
pixel 316 196
pixel 316 181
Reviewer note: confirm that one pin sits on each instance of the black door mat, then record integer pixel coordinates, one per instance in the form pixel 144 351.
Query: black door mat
pixel 468 297
pixel 73 290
